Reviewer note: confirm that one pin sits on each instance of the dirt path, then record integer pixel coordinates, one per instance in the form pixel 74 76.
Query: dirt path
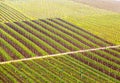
pixel 61 54
pixel 111 5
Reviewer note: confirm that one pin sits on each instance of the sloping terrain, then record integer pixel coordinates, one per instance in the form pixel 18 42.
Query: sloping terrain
pixel 8 14
pixel 88 67
pixel 49 36
pixel 87 17
pixel 105 26
pixel 67 27
pixel 42 37
pixel 110 5
pixel 55 8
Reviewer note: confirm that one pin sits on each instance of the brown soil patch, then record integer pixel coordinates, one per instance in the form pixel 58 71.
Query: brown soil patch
pixel 110 5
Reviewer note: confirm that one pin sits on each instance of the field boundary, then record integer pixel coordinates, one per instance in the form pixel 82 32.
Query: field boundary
pixel 61 54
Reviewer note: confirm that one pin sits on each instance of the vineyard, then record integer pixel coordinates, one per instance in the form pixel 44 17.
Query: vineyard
pixel 8 14
pixel 42 37
pixel 78 68
pixel 92 19
pixel 24 42
pixel 27 39
pixel 109 25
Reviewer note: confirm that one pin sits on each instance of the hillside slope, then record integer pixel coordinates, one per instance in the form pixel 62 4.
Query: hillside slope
pixel 8 14
pixel 89 18
pixel 77 68
pixel 67 26
pixel 42 37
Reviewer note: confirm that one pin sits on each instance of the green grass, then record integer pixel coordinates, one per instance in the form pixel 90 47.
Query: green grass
pixel 104 26
pixel 54 8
